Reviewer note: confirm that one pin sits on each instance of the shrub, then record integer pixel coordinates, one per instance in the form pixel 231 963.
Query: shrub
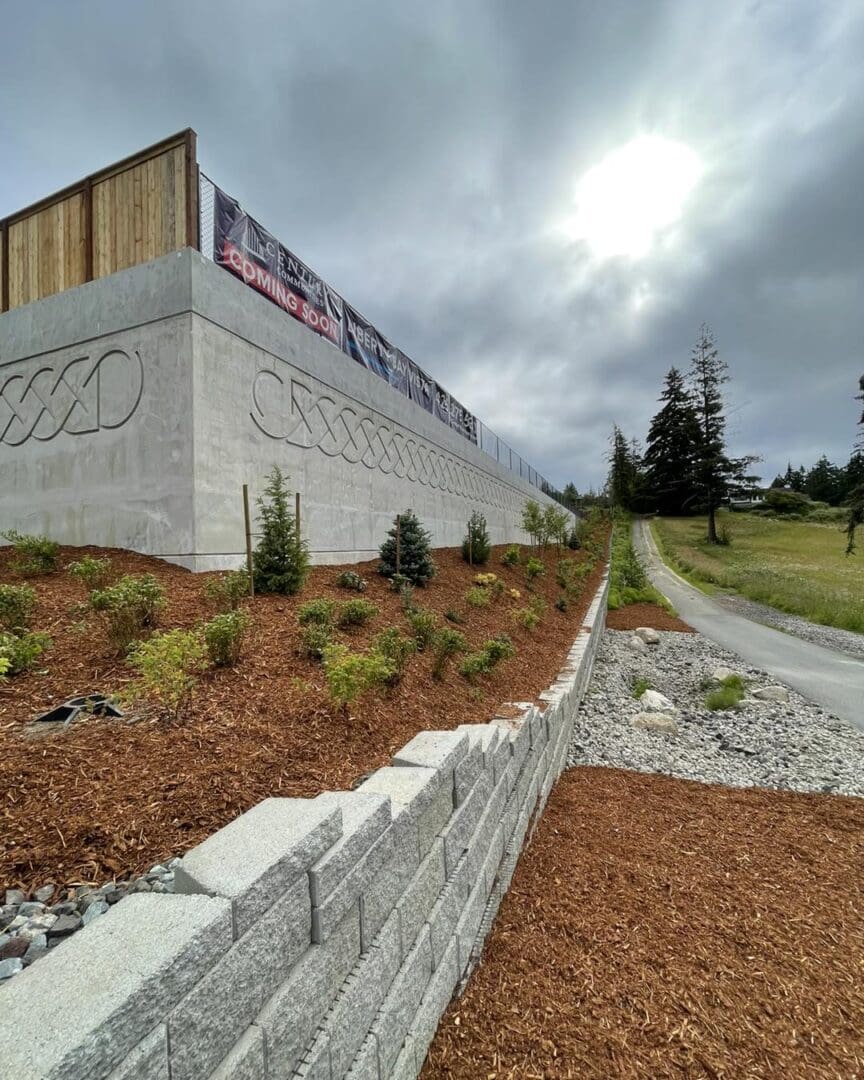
pixel 226 591
pixel 561 603
pixel 446 644
pixel 534 568
pixel 314 639
pixel 786 502
pixel 18 652
pixel 514 594
pixel 351 674
pixel 485 580
pixel 526 617
pixel 167 666
pixel 350 579
pixel 16 607
pixel 415 557
pixel 280 563
pixel 316 611
pixel 4 667
pixel 511 556
pixel 223 636
pixel 129 607
pixel 476 547
pixel 394 647
pixel 640 686
pixel 725 697
pixel 34 554
pixel 355 613
pixel 453 616
pixel 574 541
pixel 425 625
pixel 92 573
pixel 477 596
pixel 486 658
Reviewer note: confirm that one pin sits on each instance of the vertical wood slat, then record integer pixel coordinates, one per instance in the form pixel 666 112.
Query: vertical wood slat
pixel 131 212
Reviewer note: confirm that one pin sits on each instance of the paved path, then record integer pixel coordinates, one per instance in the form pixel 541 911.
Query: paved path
pixel 833 680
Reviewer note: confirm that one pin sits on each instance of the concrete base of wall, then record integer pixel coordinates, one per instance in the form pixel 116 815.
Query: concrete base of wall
pixel 316 938
pixel 134 408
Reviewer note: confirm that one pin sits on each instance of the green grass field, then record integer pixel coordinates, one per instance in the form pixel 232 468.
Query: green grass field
pixel 794 566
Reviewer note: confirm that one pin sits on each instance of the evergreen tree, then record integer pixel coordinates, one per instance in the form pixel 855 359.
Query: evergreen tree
pixel 823 482
pixel 715 472
pixel 415 556
pixel 476 547
pixel 670 454
pixel 856 495
pixel 280 563
pixel 623 470
pixel 570 496
pixel 852 476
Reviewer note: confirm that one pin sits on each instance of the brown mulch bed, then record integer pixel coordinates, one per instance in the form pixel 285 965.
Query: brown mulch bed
pixel 663 928
pixel 633 615
pixel 111 798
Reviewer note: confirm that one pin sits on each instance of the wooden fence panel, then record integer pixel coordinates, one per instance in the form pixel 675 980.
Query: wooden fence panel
pixel 132 212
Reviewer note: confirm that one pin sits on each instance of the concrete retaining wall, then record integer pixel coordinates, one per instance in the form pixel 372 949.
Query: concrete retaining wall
pixel 318 938
pixel 134 408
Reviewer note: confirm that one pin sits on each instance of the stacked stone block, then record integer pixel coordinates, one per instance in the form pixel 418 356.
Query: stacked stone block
pixel 311 938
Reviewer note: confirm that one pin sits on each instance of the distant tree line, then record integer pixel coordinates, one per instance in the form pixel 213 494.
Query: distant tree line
pixel 824 481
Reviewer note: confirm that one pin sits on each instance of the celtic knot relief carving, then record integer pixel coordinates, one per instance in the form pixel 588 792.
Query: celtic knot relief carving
pixel 39 399
pixel 296 412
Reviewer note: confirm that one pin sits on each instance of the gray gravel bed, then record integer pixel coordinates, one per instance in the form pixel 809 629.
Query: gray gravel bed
pixel 790 744
pixel 831 637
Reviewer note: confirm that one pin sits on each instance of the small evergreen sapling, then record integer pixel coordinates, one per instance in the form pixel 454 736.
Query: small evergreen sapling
pixel 280 563
pixel 414 554
pixel 476 547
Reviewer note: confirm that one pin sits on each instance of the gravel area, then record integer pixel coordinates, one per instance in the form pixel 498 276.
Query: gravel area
pixel 831 637
pixel 788 744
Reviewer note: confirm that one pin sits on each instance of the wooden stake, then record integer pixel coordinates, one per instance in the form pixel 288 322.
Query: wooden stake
pixel 248 522
pixel 398 538
pixel 297 516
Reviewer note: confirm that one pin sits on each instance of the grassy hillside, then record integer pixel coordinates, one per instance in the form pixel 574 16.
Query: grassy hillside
pixel 794 566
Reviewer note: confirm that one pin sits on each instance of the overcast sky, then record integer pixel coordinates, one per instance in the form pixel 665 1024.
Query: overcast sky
pixel 428 160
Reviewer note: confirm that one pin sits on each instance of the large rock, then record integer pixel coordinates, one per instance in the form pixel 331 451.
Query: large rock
pixel 721 674
pixel 637 644
pixel 771 693
pixel 655 721
pixel 652 701
pixel 648 635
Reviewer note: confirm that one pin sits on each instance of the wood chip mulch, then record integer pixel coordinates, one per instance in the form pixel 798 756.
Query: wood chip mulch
pixel 634 615
pixel 663 928
pixel 109 799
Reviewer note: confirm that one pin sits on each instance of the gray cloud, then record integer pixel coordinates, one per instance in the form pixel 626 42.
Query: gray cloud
pixel 419 157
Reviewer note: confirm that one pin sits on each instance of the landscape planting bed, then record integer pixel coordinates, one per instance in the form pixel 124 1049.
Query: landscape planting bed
pixel 633 615
pixel 109 798
pixel 664 928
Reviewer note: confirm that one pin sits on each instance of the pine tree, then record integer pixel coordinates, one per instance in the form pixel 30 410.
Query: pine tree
pixel 280 563
pixel 823 482
pixel 476 547
pixel 414 555
pixel 670 453
pixel 623 476
pixel 856 495
pixel 570 496
pixel 715 472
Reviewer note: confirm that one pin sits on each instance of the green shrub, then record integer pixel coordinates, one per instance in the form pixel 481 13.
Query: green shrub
pixel 168 664
pixel 18 652
pixel 314 639
pixel 447 643
pixel 34 554
pixel 477 596
pixel 16 607
pixel 350 579
pixel 534 568
pixel 223 636
pixel 415 555
pixel 396 648
pixel 724 697
pixel 574 541
pixel 5 664
pixel 226 591
pixel 350 674
pixel 526 617
pixel 511 556
pixel 280 563
pixel 92 573
pixel 487 657
pixel 425 625
pixel 786 502
pixel 561 604
pixel 451 615
pixel 129 608
pixel 355 613
pixel 316 611
pixel 476 547
pixel 640 686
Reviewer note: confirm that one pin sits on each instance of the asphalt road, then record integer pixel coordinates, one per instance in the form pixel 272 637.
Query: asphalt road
pixel 831 679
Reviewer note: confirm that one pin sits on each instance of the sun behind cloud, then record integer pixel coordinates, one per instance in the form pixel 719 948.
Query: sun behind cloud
pixel 626 200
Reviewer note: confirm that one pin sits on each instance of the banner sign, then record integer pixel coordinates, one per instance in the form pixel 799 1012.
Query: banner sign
pixel 252 254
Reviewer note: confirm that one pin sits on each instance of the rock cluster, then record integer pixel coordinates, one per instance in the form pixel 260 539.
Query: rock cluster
pixel 774 738
pixel 30 927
